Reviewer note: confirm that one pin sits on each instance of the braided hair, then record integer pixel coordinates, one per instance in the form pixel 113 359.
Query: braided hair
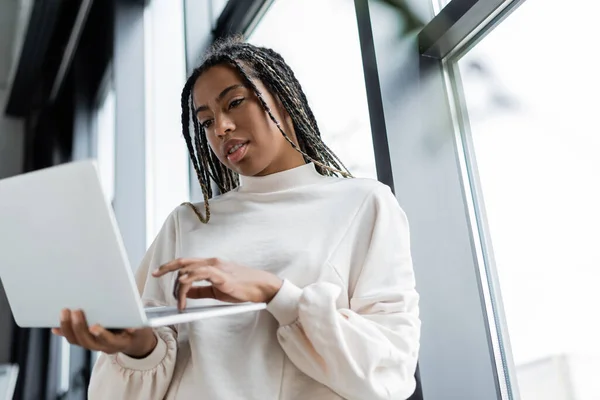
pixel 269 68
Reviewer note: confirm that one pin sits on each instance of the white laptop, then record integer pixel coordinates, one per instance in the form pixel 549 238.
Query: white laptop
pixel 60 247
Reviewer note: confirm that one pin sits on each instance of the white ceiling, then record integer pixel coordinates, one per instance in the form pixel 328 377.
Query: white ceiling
pixel 14 16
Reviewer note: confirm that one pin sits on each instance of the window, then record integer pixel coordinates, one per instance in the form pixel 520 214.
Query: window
pixel 217 6
pixel 65 366
pixel 104 132
pixel 167 173
pixel 439 4
pixel 532 103
pixel 8 380
pixel 326 59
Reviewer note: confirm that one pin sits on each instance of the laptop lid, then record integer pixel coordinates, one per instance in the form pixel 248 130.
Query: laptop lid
pixel 60 247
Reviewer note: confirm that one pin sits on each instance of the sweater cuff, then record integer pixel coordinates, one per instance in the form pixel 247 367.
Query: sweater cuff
pixel 147 363
pixel 284 306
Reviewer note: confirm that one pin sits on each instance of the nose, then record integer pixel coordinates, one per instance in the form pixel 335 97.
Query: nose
pixel 223 125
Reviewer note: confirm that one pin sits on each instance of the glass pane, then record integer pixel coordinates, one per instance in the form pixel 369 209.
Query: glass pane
pixel 439 4
pixel 65 366
pixel 105 134
pixel 217 7
pixel 167 173
pixel 532 98
pixel 327 61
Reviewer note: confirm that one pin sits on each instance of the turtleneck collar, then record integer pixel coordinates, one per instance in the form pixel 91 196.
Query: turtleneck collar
pixel 296 177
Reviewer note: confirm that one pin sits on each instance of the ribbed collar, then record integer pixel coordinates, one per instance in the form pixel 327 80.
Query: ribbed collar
pixel 296 177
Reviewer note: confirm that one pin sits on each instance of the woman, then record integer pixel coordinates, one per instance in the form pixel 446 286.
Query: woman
pixel 330 257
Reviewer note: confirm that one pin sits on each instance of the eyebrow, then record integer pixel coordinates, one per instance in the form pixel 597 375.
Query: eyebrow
pixel 221 95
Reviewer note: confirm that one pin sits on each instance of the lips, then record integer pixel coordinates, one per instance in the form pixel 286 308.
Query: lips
pixel 235 149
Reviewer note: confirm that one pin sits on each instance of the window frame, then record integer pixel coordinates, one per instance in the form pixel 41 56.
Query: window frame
pixel 455 30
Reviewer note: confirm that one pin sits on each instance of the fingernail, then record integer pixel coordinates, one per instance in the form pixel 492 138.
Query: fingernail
pixel 94 330
pixel 64 315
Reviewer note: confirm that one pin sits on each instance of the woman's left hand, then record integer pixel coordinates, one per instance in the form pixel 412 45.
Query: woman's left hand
pixel 229 282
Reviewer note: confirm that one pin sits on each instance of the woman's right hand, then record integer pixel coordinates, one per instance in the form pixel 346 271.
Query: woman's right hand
pixel 137 343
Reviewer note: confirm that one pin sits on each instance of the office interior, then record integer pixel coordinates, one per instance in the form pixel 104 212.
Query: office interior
pixel 479 114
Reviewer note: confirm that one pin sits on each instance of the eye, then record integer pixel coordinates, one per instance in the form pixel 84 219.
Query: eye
pixel 236 103
pixel 206 124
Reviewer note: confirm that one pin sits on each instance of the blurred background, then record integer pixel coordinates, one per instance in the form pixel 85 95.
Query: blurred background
pixel 480 114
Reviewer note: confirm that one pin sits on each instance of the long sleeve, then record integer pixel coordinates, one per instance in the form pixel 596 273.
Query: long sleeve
pixel 370 349
pixel 118 376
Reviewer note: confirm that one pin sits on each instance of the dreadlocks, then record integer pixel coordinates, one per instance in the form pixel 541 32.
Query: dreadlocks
pixel 269 67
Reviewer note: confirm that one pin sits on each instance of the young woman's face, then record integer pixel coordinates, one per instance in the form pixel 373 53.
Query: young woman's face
pixel 237 127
